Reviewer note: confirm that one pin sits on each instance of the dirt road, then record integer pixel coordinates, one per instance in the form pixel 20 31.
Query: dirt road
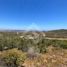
pixel 56 38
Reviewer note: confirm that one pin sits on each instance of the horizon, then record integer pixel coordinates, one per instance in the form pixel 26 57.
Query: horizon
pixel 29 30
pixel 33 14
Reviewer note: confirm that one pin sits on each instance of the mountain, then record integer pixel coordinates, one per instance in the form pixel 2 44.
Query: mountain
pixel 12 30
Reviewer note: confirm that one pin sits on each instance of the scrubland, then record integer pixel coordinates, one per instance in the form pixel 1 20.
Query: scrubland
pixel 31 49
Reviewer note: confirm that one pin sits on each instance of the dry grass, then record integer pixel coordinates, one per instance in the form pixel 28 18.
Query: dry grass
pixel 54 58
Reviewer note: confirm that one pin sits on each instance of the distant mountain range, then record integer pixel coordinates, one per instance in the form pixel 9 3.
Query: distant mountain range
pixel 12 30
pixel 61 33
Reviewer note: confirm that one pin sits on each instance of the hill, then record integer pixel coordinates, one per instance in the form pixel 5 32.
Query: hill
pixel 61 33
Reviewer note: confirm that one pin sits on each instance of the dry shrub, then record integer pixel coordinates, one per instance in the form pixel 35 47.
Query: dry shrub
pixel 13 57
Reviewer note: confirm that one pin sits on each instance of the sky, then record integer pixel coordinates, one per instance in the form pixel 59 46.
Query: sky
pixel 33 14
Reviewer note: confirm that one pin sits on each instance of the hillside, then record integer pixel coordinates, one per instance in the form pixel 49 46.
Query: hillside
pixel 61 33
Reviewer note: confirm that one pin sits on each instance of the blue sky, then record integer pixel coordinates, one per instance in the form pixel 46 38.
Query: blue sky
pixel 41 14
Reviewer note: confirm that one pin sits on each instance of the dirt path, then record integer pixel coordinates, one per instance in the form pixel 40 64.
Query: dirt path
pixel 56 38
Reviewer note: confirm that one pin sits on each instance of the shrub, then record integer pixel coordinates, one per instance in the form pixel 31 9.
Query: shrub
pixel 13 57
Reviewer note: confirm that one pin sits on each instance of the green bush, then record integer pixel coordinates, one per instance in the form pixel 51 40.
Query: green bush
pixel 13 57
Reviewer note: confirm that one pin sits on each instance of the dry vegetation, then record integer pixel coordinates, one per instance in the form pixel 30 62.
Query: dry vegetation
pixel 29 50
pixel 55 57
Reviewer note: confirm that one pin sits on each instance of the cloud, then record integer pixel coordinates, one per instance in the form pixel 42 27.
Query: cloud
pixel 33 26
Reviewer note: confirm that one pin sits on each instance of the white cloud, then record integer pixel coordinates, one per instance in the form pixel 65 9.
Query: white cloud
pixel 33 26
